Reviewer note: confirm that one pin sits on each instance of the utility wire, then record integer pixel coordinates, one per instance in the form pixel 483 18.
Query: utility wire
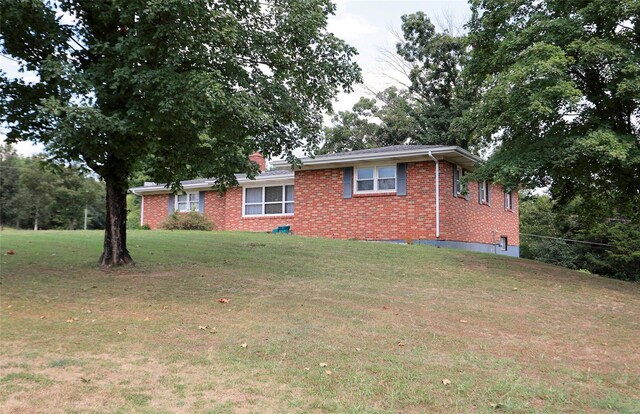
pixel 569 240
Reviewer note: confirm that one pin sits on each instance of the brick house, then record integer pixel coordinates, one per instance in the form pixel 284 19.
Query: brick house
pixel 397 193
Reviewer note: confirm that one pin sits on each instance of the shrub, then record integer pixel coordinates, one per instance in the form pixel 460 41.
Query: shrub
pixel 187 221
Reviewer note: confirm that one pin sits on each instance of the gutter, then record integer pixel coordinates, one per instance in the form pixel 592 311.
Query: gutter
pixel 437 194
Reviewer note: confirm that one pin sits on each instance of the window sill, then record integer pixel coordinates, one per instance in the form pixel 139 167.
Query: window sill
pixel 510 210
pixel 385 194
pixel 267 216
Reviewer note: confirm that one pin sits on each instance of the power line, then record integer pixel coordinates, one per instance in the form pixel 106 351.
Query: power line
pixel 9 57
pixel 569 240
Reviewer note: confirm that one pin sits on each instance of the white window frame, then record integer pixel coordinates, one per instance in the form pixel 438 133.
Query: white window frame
pixel 375 178
pixel 458 183
pixel 508 201
pixel 485 192
pixel 264 203
pixel 504 243
pixel 189 202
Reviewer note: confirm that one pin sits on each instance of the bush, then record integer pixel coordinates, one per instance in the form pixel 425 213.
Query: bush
pixel 187 221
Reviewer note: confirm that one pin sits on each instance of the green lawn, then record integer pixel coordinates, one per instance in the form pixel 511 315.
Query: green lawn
pixel 391 322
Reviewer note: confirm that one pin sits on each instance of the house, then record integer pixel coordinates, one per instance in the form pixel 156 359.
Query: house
pixel 396 193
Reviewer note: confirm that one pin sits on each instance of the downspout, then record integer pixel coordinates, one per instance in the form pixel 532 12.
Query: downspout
pixel 142 211
pixel 437 195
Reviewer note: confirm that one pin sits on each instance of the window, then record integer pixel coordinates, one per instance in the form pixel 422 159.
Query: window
pixel 483 192
pixel 503 243
pixel 187 202
pixel 376 179
pixel 508 200
pixel 272 200
pixel 458 186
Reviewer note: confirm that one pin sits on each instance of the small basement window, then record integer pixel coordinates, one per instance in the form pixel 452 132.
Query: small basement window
pixel 503 243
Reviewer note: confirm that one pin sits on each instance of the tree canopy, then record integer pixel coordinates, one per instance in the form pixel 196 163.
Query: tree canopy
pixel 181 88
pixel 560 83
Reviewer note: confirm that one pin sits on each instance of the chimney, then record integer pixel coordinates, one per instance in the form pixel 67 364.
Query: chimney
pixel 258 159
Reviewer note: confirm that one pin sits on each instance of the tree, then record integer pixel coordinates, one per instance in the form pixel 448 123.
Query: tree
pixel 185 88
pixel 561 97
pixel 9 176
pixel 438 82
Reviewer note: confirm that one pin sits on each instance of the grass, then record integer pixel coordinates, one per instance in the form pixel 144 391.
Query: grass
pixel 391 322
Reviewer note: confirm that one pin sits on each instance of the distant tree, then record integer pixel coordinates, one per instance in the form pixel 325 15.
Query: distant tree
pixel 36 192
pixel 186 87
pixel 9 180
pixel 439 85
pixel 373 122
pixel 561 98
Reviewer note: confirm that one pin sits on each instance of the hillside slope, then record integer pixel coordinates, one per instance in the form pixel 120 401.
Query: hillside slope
pixel 400 328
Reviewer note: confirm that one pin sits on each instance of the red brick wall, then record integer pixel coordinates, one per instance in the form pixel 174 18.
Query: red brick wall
pixel 469 221
pixel 321 211
pixel 215 208
pixel 235 221
pixel 156 209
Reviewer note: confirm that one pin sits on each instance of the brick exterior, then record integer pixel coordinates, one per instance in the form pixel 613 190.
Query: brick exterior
pixel 464 219
pixel 321 210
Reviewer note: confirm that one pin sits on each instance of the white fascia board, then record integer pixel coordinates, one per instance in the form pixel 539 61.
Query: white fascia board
pixel 159 189
pixel 347 159
pixel 266 178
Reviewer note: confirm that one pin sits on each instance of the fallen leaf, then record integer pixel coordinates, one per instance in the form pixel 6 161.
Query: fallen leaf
pixel 401 343
pixel 307 369
pixel 446 381
pixel 323 364
pixel 42 316
pixel 224 300
pixel 93 320
pixel 165 307
pixel 88 310
pixel 75 319
pixel 244 345
pixel 84 379
pixel 213 330
pixel 515 288
pixel 358 349
pixel 328 372
pixel 11 252
pixel 69 320
pixel 146 319
pixel 120 332
pixel 9 306
pixel 203 327
pixel 463 321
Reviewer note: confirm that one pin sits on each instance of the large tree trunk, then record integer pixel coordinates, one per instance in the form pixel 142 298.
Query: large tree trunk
pixel 115 233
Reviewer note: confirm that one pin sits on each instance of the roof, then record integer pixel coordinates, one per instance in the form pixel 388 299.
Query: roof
pixel 377 150
pixel 207 183
pixel 450 153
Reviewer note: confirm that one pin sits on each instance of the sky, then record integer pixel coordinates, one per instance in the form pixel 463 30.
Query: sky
pixel 369 26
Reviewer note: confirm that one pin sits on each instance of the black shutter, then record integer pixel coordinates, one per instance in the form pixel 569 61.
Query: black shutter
pixel 455 179
pixel 401 176
pixel 201 202
pixel 171 203
pixel 347 182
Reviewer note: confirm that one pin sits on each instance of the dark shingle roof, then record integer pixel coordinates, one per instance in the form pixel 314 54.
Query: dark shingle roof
pixel 391 148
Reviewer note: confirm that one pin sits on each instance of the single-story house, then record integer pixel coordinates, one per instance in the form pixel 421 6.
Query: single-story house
pixel 397 193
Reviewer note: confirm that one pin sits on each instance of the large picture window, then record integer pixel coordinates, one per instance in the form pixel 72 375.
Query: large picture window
pixel 380 179
pixel 268 201
pixel 187 202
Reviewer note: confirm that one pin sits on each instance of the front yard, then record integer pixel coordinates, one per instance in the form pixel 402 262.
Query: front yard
pixel 309 326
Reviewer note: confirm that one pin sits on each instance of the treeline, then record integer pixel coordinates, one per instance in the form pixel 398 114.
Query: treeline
pixel 38 195
pixel 563 235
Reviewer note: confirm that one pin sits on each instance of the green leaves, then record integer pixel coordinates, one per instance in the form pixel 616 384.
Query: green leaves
pixel 560 97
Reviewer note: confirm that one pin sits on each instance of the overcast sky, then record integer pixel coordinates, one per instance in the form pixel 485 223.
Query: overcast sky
pixel 369 26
